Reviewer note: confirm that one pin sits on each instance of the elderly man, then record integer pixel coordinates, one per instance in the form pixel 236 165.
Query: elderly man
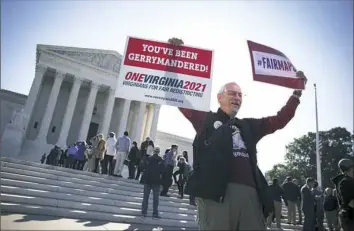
pixel 230 188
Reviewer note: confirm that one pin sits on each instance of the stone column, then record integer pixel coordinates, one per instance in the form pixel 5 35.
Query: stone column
pixel 123 120
pixel 150 114
pixel 33 94
pixel 138 124
pixel 48 114
pixel 108 112
pixel 86 119
pixel 145 120
pixel 69 113
pixel 155 119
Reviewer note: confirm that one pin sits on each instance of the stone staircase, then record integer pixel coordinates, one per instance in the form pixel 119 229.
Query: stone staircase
pixel 39 189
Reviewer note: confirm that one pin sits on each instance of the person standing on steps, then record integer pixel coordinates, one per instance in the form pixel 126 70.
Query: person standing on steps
pixel 319 212
pixel 291 194
pixel 298 202
pixel 308 205
pixel 110 153
pixel 123 147
pixel 143 148
pixel 99 152
pixel 231 182
pixel 132 157
pixel 330 206
pixel 169 161
pixel 153 168
pixel 277 194
pixel 344 183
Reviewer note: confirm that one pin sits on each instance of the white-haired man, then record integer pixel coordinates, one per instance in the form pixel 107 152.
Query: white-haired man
pixel 230 188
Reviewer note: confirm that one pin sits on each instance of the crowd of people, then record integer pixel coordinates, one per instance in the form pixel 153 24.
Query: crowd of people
pixel 309 200
pixel 314 203
pixel 146 164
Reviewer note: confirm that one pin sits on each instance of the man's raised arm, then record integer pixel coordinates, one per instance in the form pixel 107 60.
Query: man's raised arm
pixel 268 125
pixel 195 117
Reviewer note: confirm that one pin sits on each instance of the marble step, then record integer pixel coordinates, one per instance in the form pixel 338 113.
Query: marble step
pixel 127 203
pixel 55 175
pixel 10 221
pixel 17 180
pixel 134 186
pixel 89 185
pixel 74 205
pixel 60 171
pixel 29 208
pixel 90 215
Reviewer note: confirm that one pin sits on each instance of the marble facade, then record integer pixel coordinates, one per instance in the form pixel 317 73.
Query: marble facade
pixel 72 97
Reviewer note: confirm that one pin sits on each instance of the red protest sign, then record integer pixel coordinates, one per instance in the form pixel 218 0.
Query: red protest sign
pixel 161 73
pixel 166 57
pixel 272 66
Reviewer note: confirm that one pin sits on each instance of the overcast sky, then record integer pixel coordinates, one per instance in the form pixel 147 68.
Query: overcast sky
pixel 316 35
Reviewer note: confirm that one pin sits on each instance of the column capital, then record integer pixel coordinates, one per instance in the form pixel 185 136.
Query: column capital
pixel 41 68
pixel 59 74
pixel 78 80
pixel 95 85
pixel 111 91
pixel 157 107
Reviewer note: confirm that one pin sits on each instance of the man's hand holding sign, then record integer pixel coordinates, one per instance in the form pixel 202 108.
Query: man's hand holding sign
pixel 272 66
pixel 226 178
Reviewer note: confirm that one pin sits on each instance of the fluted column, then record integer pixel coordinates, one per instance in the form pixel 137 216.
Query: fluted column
pixel 86 119
pixel 138 124
pixel 68 117
pixel 33 94
pixel 155 119
pixel 145 120
pixel 108 112
pixel 150 114
pixel 48 114
pixel 123 120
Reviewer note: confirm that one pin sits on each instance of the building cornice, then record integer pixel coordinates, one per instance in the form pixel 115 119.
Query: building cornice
pixel 94 68
pixel 173 138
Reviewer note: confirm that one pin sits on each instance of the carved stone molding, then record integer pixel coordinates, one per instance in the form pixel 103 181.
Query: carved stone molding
pixel 101 60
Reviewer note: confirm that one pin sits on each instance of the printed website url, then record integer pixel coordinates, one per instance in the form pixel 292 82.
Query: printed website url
pixel 164 98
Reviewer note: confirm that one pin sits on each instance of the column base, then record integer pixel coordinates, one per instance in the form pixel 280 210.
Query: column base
pixel 12 141
pixel 62 145
pixel 33 150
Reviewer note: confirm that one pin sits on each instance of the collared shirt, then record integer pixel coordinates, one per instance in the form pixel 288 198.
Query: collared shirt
pixel 168 158
pixel 123 144
pixel 111 146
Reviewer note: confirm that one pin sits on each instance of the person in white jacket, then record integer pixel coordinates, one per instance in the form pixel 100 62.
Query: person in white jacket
pixel 110 154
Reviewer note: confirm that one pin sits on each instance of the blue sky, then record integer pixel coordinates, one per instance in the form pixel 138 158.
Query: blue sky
pixel 316 35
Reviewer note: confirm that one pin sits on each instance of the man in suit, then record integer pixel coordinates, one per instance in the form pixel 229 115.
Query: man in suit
pixel 308 205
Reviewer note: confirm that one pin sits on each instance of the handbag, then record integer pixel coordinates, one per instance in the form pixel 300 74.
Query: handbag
pixel 126 162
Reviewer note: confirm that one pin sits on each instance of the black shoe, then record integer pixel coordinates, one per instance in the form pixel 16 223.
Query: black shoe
pixel 143 215
pixel 156 217
pixel 120 176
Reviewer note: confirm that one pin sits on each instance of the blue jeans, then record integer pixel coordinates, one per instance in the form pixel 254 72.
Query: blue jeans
pixel 156 193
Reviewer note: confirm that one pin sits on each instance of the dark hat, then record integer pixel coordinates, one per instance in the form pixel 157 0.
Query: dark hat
pixel 345 164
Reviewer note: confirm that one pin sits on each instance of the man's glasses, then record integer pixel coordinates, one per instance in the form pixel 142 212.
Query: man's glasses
pixel 233 93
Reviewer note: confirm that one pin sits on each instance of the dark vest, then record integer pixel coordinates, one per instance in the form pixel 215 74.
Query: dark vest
pixel 212 160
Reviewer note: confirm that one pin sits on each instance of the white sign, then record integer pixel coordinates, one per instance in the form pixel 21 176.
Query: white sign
pixel 160 73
